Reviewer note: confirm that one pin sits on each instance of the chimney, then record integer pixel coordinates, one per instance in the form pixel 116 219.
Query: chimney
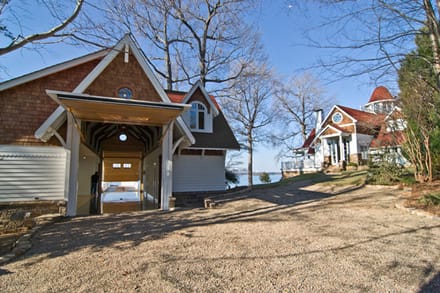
pixel 318 115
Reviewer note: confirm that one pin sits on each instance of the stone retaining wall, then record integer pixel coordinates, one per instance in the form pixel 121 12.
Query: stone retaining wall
pixel 19 216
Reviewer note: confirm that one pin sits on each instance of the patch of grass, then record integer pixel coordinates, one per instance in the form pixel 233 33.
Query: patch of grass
pixel 430 199
pixel 408 179
pixel 314 177
pixel 347 178
pixel 340 179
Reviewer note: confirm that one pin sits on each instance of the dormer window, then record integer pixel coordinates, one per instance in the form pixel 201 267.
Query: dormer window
pixel 198 114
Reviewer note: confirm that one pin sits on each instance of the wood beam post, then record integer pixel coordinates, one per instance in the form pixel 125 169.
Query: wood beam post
pixel 73 144
pixel 167 166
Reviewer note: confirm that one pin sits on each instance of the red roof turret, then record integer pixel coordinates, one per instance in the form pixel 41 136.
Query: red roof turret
pixel 379 94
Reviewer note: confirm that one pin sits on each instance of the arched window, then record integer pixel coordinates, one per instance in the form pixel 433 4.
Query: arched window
pixel 197 116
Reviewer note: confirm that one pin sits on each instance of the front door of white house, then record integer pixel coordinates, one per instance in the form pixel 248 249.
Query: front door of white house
pixel 334 150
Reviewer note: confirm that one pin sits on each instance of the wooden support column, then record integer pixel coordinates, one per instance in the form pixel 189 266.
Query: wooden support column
pixel 73 143
pixel 167 166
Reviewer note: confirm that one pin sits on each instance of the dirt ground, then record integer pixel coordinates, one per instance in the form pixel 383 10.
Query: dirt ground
pixel 292 238
pixel 413 199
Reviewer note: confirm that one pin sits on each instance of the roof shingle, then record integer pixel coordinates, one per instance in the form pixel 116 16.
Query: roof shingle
pixel 379 94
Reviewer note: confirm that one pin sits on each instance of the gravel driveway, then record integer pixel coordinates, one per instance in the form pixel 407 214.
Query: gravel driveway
pixel 293 238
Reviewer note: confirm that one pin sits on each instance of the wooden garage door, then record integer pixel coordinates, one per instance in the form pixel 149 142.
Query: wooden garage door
pixel 121 169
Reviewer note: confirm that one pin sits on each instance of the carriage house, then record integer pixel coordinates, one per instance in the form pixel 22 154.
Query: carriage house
pixel 106 112
pixel 348 135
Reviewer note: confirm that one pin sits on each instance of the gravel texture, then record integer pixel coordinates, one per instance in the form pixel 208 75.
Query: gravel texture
pixel 292 238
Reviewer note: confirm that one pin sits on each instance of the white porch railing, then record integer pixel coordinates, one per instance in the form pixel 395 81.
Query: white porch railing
pixel 300 165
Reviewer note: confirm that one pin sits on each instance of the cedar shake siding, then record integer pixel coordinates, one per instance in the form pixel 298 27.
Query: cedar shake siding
pixel 199 97
pixel 119 74
pixel 25 107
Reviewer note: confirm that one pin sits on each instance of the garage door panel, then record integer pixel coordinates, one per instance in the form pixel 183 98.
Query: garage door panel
pixel 121 169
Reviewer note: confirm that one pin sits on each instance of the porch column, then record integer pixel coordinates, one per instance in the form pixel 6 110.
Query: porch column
pixel 73 142
pixel 341 149
pixel 167 165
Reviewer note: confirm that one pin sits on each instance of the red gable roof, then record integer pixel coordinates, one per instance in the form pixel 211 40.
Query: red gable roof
pixel 362 116
pixel 309 139
pixel 177 97
pixel 384 139
pixel 379 94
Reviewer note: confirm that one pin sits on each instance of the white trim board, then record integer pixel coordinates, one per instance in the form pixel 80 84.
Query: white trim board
pixel 51 70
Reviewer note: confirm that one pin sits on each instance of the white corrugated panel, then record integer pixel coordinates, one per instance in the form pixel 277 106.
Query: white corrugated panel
pixel 28 173
pixel 198 173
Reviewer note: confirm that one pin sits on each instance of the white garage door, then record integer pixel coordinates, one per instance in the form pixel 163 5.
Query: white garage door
pixel 31 173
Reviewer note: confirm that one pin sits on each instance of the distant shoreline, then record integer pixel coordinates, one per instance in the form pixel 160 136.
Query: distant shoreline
pixel 258 173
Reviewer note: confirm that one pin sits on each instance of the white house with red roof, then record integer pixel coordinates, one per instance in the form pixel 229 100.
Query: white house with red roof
pixel 347 135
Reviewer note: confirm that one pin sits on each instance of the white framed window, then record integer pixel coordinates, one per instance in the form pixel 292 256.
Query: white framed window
pixel 364 152
pixel 198 116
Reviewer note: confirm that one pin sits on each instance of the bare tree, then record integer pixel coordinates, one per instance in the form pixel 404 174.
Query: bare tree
pixel 295 104
pixel 248 107
pixel 216 28
pixel 192 40
pixel 153 20
pixel 11 26
pixel 371 37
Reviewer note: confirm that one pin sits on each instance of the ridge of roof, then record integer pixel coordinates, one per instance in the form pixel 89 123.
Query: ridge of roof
pixel 362 116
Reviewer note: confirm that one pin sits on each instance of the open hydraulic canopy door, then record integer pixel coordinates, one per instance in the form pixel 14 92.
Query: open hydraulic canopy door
pixel 117 110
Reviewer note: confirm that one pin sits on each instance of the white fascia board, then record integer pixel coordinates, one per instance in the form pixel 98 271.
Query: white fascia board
pixel 142 59
pixel 51 70
pixel 87 81
pixel 330 112
pixel 328 115
pixel 331 135
pixel 395 109
pixel 330 126
pixel 354 120
pixel 199 85
pixel 211 149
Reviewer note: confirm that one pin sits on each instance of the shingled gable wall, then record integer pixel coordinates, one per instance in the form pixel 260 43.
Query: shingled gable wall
pixel 27 106
pixel 119 74
pixel 199 97
pixel 345 118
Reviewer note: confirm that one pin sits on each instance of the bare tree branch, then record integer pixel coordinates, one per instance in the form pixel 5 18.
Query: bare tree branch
pixel 20 41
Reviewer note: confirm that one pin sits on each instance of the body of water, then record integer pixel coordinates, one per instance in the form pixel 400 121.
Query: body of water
pixel 274 177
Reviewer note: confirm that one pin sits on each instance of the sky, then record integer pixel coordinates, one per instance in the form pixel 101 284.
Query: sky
pixel 281 26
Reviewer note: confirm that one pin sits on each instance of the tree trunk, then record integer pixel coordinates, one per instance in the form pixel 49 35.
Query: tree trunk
pixel 303 119
pixel 434 35
pixel 250 160
pixel 167 54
